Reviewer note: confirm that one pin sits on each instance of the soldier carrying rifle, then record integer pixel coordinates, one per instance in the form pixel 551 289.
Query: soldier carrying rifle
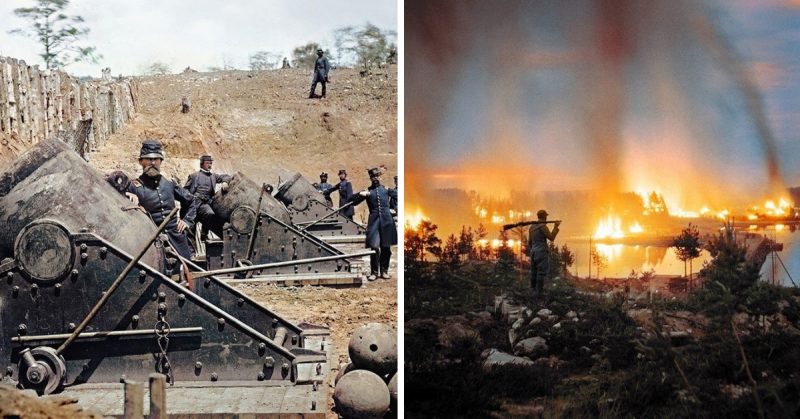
pixel 538 235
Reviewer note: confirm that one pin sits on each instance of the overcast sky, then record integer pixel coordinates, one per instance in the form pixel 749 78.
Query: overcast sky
pixel 132 34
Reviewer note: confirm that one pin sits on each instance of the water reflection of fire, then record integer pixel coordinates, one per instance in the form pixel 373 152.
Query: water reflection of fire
pixel 502 218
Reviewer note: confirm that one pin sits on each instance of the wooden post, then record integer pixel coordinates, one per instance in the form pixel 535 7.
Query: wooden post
pixel 134 400
pixel 158 396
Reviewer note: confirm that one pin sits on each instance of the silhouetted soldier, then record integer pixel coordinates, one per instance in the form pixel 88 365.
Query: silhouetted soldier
pixel 345 189
pixel 381 228
pixel 157 196
pixel 321 69
pixel 202 185
pixel 538 235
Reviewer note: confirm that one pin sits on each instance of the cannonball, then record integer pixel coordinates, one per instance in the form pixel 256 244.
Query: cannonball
pixel 361 394
pixel 393 392
pixel 343 369
pixel 374 347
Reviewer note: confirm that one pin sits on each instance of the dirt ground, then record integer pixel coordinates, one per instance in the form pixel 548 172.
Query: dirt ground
pixel 262 124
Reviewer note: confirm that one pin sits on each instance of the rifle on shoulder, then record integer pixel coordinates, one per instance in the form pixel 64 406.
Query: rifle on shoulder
pixel 527 223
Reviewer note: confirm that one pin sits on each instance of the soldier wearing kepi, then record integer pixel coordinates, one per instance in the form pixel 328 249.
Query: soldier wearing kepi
pixel 157 196
pixel 324 187
pixel 538 235
pixel 202 185
pixel 345 189
pixel 321 69
pixel 381 229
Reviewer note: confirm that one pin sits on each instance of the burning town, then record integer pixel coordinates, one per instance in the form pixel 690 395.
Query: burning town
pixel 166 238
pixel 601 213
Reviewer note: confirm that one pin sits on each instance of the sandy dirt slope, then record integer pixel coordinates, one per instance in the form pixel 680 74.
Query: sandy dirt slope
pixel 262 124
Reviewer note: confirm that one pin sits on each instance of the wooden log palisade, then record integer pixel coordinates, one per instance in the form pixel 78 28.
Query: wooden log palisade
pixel 36 104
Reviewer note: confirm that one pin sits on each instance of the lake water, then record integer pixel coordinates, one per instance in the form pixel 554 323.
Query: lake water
pixel 621 259
pixel 773 271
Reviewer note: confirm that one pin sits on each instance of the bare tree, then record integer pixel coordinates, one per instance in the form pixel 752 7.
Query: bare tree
pixel 264 60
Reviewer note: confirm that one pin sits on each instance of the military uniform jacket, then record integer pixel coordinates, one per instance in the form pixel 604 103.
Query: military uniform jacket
pixel 201 184
pixel 321 68
pixel 381 229
pixel 345 189
pixel 538 236
pixel 157 196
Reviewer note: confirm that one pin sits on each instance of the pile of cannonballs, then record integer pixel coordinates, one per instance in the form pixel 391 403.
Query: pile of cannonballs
pixel 367 386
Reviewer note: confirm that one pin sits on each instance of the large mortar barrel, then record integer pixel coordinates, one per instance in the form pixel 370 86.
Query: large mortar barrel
pixel 244 192
pixel 50 181
pixel 297 191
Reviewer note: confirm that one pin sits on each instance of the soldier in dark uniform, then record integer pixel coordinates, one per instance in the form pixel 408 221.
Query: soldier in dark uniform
pixel 323 186
pixel 202 184
pixel 345 189
pixel 538 235
pixel 157 196
pixel 321 68
pixel 381 229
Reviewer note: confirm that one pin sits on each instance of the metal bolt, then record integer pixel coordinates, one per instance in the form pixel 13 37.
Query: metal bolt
pixel 74 274
pixel 84 257
pixel 72 326
pixel 274 323
pixel 10 275
pixel 181 298
pixel 214 376
pixel 142 275
pixel 162 308
pixel 261 376
pixel 198 365
pixel 269 362
pixel 34 289
pixel 262 347
pixel 15 290
pixel 162 295
pixel 103 251
pixel 84 229
pixel 123 378
pixel 84 247
pixel 285 368
pixel 22 329
pixel 221 321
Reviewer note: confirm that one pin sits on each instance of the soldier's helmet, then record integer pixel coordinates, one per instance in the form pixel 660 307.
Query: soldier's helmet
pixel 541 214
pixel 151 149
pixel 206 157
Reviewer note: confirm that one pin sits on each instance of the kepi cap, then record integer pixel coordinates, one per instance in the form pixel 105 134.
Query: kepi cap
pixel 342 172
pixel 206 157
pixel 151 149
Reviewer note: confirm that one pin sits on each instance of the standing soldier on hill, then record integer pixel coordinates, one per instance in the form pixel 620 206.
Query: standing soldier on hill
pixel 345 189
pixel 321 68
pixel 381 229
pixel 202 184
pixel 538 235
pixel 157 196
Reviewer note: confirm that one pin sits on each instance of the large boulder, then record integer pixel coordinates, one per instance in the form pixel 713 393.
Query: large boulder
pixel 532 347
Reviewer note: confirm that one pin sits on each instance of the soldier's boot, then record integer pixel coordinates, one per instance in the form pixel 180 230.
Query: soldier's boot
pixel 323 90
